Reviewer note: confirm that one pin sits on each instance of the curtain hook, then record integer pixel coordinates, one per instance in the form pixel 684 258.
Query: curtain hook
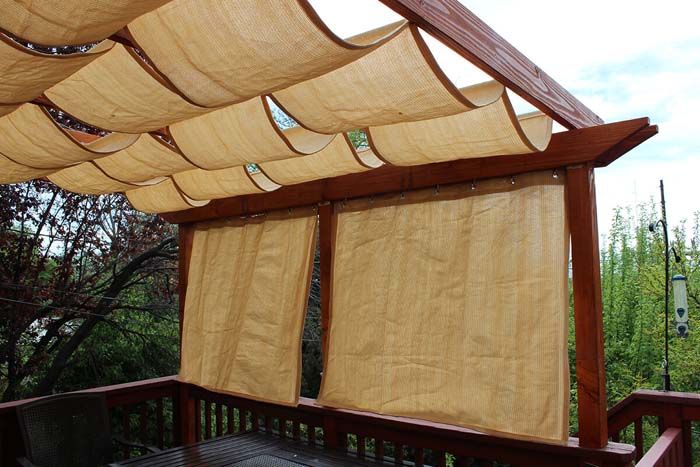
pixel 512 180
pixel 403 195
pixel 437 190
pixel 555 174
pixel 473 187
pixel 371 199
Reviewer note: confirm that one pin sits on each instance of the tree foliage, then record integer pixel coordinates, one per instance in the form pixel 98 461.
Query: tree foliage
pixel 85 283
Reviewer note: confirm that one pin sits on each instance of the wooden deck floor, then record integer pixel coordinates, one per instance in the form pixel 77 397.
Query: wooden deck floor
pixel 247 450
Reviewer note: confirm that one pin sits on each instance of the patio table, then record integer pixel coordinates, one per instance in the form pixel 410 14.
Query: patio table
pixel 247 450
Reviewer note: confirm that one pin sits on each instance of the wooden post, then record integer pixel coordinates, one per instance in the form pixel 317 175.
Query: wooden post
pixel 185 238
pixel 325 215
pixel 588 312
pixel 185 405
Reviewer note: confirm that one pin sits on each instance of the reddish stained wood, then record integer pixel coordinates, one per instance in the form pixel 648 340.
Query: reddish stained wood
pixel 418 457
pixel 360 446
pixel 567 148
pixel 311 434
pixel 667 448
pixel 255 421
pixel 398 453
pixel 197 419
pixel 588 316
pixel 219 411
pixel 441 458
pixel 126 430
pixel 325 225
pixel 188 414
pixel 379 449
pixel 185 239
pixel 638 438
pixel 283 427
pixel 143 425
pixel 160 424
pixel 458 28
pixel 296 430
pixel 230 419
pixel 207 420
pixel 241 420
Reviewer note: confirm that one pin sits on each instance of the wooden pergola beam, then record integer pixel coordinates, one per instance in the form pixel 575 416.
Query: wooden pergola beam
pixel 454 25
pixel 598 145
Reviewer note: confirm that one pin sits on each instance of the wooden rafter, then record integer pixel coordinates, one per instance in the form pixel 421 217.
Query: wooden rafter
pixel 598 145
pixel 458 28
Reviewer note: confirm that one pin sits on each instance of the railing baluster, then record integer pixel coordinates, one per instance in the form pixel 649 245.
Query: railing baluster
pixel 283 427
pixel 241 420
pixel 418 457
pixel 197 419
pixel 160 437
pixel 361 446
pixel 379 449
pixel 230 420
pixel 296 430
pixel 255 421
pixel 441 462
pixel 126 430
pixel 207 419
pixel 268 424
pixel 638 438
pixel 143 426
pixel 219 420
pixel 311 435
pixel 398 454
pixel 343 441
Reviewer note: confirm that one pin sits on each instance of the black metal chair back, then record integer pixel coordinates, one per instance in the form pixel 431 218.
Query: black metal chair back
pixel 67 430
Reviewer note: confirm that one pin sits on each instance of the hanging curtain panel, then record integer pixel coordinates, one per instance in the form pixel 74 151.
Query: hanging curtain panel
pixel 245 307
pixel 451 305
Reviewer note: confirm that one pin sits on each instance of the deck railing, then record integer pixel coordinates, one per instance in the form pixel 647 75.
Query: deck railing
pixel 165 412
pixel 676 416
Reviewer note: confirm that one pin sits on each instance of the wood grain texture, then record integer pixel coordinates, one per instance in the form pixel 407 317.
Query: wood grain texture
pixel 454 25
pixel 325 225
pixel 588 312
pixel 567 148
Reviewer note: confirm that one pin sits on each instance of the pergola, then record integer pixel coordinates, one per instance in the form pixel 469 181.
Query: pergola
pixel 588 143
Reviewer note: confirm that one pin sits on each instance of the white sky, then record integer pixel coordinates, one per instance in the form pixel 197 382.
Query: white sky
pixel 622 58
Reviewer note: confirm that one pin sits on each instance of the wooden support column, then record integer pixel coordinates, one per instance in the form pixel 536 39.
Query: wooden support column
pixel 588 313
pixel 325 225
pixel 185 404
pixel 185 237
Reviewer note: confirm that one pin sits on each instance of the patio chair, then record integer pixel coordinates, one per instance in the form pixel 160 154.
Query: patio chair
pixel 68 430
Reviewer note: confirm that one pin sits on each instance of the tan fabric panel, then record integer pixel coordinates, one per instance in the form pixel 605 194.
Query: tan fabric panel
pixel 245 306
pixel 25 74
pixel 241 134
pixel 12 172
pixel 6 109
pixel 215 184
pixel 252 47
pixel 29 136
pixel 162 197
pixel 117 93
pixel 454 307
pixel 72 22
pixel 144 160
pixel 396 82
pixel 88 179
pixel 338 158
pixel 488 131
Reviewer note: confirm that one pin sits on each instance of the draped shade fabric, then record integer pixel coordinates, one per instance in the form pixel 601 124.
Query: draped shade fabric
pixel 27 73
pixel 29 136
pixel 202 83
pixel 237 62
pixel 242 134
pixel 73 22
pixel 453 307
pixel 117 92
pixel 245 305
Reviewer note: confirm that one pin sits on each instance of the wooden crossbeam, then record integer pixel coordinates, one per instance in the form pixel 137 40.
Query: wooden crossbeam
pixel 599 145
pixel 454 25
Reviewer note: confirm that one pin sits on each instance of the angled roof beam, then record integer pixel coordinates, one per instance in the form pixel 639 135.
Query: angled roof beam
pixel 598 145
pixel 458 28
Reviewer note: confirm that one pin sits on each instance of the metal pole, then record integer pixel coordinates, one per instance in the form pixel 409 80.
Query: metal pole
pixel 667 377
